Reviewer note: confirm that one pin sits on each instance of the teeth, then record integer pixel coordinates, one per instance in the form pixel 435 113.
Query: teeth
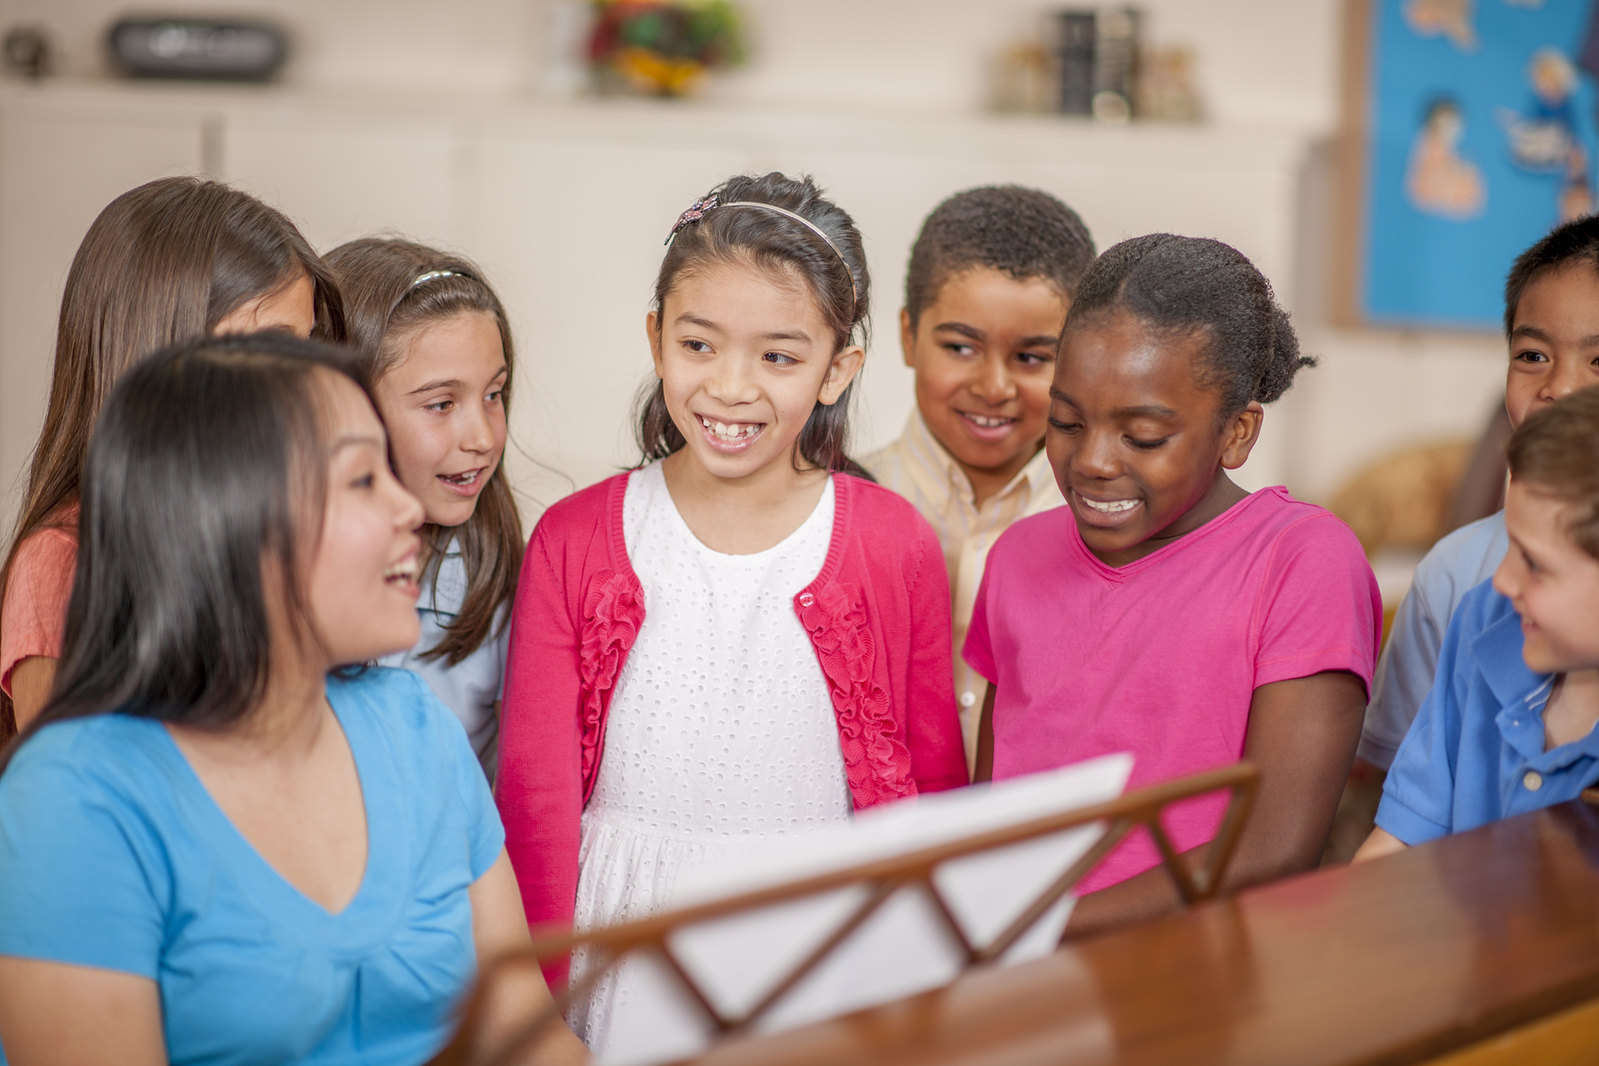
pixel 461 479
pixel 989 423
pixel 1109 506
pixel 731 431
pixel 406 570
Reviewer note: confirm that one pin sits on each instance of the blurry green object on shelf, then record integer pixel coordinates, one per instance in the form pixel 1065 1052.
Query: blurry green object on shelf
pixel 663 47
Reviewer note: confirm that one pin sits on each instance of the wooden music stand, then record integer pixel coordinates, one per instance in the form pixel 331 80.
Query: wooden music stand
pixel 882 879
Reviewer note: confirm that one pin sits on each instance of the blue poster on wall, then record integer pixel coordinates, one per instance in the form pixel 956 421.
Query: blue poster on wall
pixel 1482 137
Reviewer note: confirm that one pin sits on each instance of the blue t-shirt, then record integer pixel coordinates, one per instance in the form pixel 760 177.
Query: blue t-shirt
pixel 1476 751
pixel 1456 565
pixel 114 855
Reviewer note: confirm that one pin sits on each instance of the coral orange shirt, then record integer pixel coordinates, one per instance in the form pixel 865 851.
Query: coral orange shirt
pixel 36 594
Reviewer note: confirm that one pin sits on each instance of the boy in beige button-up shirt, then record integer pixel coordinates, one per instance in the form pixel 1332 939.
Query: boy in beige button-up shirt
pixel 990 279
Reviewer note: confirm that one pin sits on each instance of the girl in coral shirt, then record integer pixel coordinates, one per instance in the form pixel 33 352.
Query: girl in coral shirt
pixel 171 260
pixel 735 639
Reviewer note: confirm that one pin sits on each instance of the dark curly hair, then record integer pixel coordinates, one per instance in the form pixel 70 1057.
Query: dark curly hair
pixel 771 241
pixel 1576 241
pixel 1188 285
pixel 1025 233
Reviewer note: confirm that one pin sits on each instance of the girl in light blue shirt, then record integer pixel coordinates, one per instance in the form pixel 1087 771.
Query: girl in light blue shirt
pixel 216 846
pixel 440 362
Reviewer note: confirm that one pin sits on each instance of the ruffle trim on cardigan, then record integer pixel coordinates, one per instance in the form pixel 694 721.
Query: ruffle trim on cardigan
pixel 877 763
pixel 613 611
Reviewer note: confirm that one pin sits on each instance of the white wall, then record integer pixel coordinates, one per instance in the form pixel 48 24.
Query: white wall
pixel 1258 62
pixel 423 117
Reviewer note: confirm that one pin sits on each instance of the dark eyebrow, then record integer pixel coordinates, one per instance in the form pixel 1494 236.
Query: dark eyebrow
pixel 1148 410
pixel 963 329
pixel 452 383
pixel 696 320
pixel 775 335
pixel 1590 341
pixel 1042 340
pixel 446 383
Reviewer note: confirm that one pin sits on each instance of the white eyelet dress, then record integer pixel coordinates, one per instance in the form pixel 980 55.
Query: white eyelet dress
pixel 720 729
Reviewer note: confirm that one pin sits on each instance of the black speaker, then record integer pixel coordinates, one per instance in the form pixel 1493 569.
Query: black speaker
pixel 180 47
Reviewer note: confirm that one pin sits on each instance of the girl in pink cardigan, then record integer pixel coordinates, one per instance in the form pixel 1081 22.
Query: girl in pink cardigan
pixel 735 639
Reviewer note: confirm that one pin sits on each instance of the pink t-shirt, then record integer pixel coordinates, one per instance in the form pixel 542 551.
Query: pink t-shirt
pixel 1161 657
pixel 36 594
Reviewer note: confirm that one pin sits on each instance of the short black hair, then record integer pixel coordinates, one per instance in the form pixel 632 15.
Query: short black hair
pixel 1195 285
pixel 1576 241
pixel 1023 232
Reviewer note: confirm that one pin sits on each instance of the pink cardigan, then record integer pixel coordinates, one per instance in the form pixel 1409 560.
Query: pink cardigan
pixel 878 615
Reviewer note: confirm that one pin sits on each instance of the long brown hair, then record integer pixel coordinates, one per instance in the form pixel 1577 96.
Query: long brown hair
pixel 386 306
pixel 161 263
pixel 172 621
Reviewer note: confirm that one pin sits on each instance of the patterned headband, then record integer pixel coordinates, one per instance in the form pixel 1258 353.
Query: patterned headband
pixel 700 208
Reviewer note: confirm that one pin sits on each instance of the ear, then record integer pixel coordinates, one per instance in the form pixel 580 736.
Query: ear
pixel 907 337
pixel 1240 434
pixel 652 329
pixel 845 365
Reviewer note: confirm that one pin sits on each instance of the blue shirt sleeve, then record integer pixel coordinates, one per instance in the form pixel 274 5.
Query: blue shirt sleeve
pixel 1458 563
pixel 1404 676
pixel 1418 796
pixel 82 877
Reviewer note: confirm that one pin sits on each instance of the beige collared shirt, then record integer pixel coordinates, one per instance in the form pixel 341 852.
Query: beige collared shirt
pixel 918 468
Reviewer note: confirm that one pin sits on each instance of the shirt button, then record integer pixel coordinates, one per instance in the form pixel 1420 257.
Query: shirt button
pixel 968 699
pixel 806 599
pixel 1533 780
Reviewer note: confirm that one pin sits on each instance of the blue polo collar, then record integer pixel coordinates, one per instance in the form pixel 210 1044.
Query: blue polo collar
pixel 1522 694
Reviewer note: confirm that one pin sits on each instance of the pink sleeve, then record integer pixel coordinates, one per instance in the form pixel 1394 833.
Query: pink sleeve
pixel 539 788
pixel 977 651
pixel 1321 610
pixel 36 595
pixel 938 754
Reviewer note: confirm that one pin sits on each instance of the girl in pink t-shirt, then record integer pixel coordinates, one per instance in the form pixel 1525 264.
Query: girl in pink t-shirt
pixel 1165 611
pixel 173 259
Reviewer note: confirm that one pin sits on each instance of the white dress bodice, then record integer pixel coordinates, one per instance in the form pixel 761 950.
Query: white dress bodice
pixel 720 729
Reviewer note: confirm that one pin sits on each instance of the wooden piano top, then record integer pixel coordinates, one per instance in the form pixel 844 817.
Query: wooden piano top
pixel 1409 957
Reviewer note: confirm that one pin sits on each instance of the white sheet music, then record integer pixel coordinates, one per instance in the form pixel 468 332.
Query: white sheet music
pixel 902 949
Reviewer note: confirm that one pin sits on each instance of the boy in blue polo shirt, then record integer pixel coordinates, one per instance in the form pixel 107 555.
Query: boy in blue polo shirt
pixel 1551 315
pixel 1508 726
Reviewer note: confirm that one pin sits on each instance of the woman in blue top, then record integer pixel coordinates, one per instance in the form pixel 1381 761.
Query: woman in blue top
pixel 214 846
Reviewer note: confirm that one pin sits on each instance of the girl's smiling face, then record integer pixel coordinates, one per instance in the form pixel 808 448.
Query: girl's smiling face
pixel 443 403
pixel 744 356
pixel 1136 440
